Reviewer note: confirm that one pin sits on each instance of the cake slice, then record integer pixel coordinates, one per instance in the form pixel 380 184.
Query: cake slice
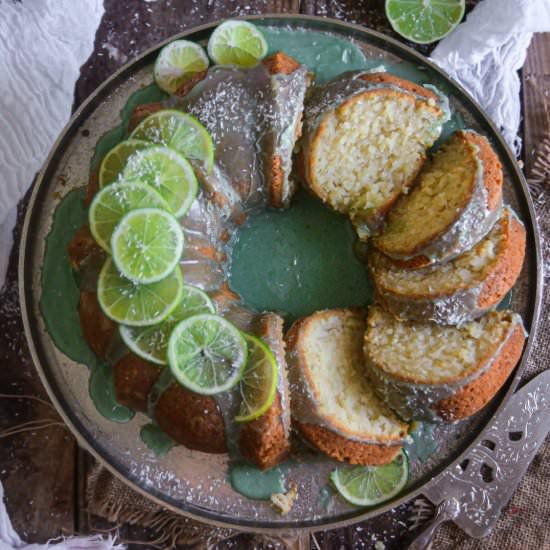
pixel 365 139
pixel 333 405
pixel 425 371
pixel 459 290
pixel 453 205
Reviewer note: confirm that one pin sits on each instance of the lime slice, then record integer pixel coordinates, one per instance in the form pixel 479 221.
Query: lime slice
pixel 259 380
pixel 237 43
pixel 113 202
pixel 137 305
pixel 115 160
pixel 206 354
pixel 147 245
pixel 179 131
pixel 177 63
pixel 424 21
pixel 151 342
pixel 370 485
pixel 168 173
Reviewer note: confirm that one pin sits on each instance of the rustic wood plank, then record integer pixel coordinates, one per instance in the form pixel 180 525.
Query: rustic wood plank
pixel 536 95
pixel 36 467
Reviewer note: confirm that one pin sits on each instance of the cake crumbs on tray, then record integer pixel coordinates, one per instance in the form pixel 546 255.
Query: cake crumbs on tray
pixel 283 502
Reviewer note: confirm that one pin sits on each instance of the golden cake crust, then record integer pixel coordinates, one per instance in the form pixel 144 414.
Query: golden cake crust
pixel 134 379
pixel 347 450
pixel 97 328
pixel 476 394
pixel 508 267
pixel 195 421
pixel 265 441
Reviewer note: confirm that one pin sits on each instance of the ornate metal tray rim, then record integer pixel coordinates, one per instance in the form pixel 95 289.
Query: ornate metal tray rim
pixel 199 513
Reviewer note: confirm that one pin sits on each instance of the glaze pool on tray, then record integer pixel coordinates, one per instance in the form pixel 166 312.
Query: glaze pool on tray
pixel 296 222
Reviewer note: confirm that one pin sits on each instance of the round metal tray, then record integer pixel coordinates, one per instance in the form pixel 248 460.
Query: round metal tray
pixel 193 483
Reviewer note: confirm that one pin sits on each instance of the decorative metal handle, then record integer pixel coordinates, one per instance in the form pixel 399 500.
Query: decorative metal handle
pixel 446 511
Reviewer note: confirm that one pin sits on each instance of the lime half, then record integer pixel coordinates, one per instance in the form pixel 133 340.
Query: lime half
pixel 207 354
pixel 168 173
pixel 147 245
pixel 113 202
pixel 151 343
pixel 177 63
pixel 259 380
pixel 424 21
pixel 181 132
pixel 137 305
pixel 237 43
pixel 115 160
pixel 370 485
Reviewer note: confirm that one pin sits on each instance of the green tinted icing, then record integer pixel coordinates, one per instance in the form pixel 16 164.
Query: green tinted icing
pixel 59 305
pixel 156 439
pixel 327 498
pixel 506 302
pixel 324 54
pixel 149 94
pixel 252 482
pixel 298 261
pixel 423 444
pixel 60 292
pixel 102 392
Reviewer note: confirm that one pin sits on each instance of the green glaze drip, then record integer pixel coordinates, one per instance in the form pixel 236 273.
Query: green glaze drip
pixel 59 305
pixel 324 54
pixel 251 482
pixel 421 445
pixel 60 292
pixel 102 392
pixel 298 261
pixel 156 439
pixel 326 498
pixel 506 302
pixel 149 94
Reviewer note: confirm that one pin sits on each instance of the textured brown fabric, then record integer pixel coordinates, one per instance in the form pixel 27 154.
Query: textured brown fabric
pixel 110 499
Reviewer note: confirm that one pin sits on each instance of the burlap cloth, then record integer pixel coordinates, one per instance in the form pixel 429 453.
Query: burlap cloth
pixel 523 525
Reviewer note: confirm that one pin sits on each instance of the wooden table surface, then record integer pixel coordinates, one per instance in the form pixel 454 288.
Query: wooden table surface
pixel 42 469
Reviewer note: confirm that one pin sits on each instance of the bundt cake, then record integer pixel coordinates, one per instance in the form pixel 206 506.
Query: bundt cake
pixel 242 109
pixel 334 407
pixel 425 371
pixel 365 138
pixel 453 205
pixel 459 290
pixel 444 253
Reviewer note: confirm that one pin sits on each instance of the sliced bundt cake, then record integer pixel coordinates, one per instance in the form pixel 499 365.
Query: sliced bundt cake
pixel 453 205
pixel 333 406
pixel 254 116
pixel 426 371
pixel 459 290
pixel 365 138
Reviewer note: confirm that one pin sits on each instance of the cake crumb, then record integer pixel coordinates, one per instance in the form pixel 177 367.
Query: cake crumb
pixel 283 502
